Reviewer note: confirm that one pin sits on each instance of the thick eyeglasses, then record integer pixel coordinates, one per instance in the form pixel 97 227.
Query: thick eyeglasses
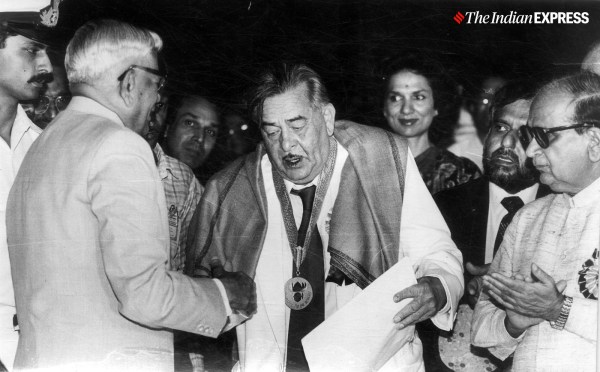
pixel 161 82
pixel 43 103
pixel 541 134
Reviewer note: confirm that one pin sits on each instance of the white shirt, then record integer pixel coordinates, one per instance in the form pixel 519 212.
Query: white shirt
pixel 22 135
pixel 496 212
pixel 263 338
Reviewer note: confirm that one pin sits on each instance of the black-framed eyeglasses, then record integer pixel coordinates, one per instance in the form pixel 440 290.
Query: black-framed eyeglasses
pixel 540 134
pixel 161 82
pixel 42 104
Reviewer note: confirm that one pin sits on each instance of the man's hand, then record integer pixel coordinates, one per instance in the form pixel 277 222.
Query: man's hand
pixel 516 323
pixel 240 288
pixel 535 297
pixel 475 285
pixel 428 297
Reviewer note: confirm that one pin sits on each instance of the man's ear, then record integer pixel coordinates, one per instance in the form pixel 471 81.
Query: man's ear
pixel 127 88
pixel 329 115
pixel 593 135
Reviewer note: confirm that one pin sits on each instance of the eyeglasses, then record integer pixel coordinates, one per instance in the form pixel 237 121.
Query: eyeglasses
pixel 161 82
pixel 541 134
pixel 43 103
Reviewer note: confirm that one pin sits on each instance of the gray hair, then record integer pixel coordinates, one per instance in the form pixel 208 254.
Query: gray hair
pixel 283 78
pixel 101 45
pixel 584 87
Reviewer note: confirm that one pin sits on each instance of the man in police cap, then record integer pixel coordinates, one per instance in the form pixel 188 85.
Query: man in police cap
pixel 24 68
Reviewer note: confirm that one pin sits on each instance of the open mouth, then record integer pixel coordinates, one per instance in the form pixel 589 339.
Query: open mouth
pixel 407 122
pixel 292 161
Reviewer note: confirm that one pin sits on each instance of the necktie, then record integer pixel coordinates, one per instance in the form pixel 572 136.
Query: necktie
pixel 305 320
pixel 512 205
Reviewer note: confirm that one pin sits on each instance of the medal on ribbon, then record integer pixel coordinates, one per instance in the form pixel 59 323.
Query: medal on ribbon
pixel 298 291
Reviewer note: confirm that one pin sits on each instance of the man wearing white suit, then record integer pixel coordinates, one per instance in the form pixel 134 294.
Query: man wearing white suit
pixel 88 231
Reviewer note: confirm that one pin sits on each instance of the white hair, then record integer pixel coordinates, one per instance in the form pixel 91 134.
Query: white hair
pixel 101 45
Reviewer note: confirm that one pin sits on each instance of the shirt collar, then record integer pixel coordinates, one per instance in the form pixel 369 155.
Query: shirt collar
pixel 162 163
pixel 587 196
pixel 89 106
pixel 290 185
pixel 21 125
pixel 527 195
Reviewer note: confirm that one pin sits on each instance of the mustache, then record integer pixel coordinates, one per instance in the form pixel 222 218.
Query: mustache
pixel 503 151
pixel 43 78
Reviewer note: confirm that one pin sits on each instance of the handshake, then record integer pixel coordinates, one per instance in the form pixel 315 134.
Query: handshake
pixel 241 292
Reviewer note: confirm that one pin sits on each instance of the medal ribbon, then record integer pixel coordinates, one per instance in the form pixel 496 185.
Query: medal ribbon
pixel 299 253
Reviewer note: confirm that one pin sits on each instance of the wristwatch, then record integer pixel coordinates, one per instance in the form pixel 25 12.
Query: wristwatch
pixel 564 314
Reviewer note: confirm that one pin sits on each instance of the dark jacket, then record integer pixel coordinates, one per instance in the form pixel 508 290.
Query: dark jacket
pixel 465 209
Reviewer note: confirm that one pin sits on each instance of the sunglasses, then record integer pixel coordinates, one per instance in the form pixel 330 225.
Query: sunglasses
pixel 528 134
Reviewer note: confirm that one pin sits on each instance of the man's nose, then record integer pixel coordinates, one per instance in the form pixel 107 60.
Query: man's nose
pixel 288 140
pixel 510 139
pixel 199 134
pixel 533 148
pixel 43 62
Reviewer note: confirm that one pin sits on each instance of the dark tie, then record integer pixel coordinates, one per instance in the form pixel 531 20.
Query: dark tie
pixel 305 320
pixel 512 205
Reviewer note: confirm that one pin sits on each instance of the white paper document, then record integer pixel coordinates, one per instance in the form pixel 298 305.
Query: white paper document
pixel 361 336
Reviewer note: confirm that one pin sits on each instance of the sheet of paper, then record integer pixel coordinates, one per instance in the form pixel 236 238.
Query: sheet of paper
pixel 361 336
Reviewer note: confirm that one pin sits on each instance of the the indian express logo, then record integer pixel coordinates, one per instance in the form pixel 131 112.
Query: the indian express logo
pixel 513 17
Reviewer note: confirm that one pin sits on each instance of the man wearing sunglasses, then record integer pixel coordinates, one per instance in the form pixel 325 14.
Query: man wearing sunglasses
pixel 540 294
pixel 477 210
pixel 88 226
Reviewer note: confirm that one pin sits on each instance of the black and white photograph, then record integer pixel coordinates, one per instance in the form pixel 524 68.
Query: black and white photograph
pixel 299 185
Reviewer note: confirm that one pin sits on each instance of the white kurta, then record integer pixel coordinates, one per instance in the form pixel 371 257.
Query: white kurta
pixel 424 237
pixel 558 233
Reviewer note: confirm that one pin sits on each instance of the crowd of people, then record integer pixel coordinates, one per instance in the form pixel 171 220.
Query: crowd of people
pixel 147 230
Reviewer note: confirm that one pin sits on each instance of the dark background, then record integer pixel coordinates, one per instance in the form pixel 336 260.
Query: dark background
pixel 215 47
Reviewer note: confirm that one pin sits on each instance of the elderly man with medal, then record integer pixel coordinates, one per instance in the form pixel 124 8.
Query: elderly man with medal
pixel 317 213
